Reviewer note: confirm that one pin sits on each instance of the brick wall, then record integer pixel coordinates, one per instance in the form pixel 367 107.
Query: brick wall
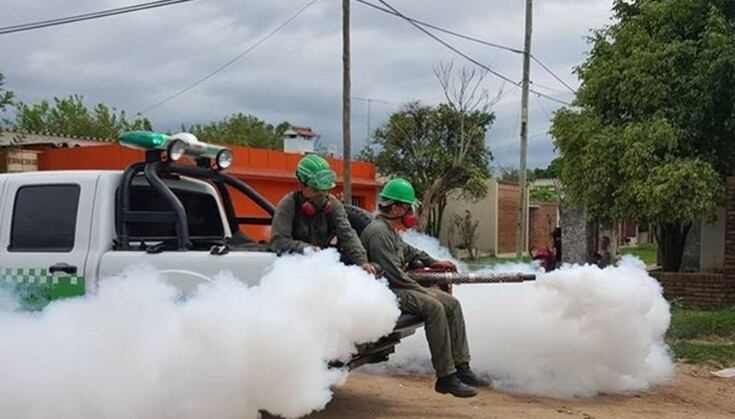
pixel 508 200
pixel 543 220
pixel 697 289
pixel 729 265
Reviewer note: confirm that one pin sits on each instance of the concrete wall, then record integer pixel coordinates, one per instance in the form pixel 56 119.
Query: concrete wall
pixel 704 248
pixel 576 236
pixel 712 256
pixel 692 249
pixel 483 210
pixel 497 214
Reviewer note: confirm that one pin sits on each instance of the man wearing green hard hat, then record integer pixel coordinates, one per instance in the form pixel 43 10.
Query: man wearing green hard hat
pixel 311 217
pixel 442 313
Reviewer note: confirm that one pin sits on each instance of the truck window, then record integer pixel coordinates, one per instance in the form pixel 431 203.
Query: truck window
pixel 44 218
pixel 201 210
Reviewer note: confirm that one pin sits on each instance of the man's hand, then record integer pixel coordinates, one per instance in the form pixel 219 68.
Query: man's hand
pixel 444 265
pixel 369 268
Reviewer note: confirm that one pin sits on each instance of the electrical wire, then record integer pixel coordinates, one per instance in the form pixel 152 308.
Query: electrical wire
pixel 235 59
pixel 440 29
pixel 89 16
pixel 421 24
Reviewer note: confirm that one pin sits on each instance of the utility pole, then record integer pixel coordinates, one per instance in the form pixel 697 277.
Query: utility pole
pixel 346 146
pixel 369 102
pixel 523 207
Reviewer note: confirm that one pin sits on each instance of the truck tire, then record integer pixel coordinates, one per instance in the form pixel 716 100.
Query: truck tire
pixel 359 218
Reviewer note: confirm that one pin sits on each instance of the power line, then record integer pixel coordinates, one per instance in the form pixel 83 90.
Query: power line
pixel 437 28
pixel 548 114
pixel 88 16
pixel 553 74
pixel 369 99
pixel 392 11
pixel 467 57
pixel 230 62
pixel 550 89
pixel 508 141
pixel 504 93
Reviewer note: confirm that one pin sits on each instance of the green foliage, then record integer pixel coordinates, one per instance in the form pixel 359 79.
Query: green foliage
pixel 721 354
pixel 703 336
pixel 241 129
pixel 511 175
pixel 552 171
pixel 427 146
pixel 645 252
pixel 702 324
pixel 652 135
pixel 6 98
pixel 419 143
pixel 466 228
pixel 543 194
pixel 70 116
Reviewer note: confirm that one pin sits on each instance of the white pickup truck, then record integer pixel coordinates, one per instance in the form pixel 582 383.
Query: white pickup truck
pixel 61 232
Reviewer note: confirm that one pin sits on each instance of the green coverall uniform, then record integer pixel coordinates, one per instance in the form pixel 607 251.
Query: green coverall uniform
pixel 442 313
pixel 292 231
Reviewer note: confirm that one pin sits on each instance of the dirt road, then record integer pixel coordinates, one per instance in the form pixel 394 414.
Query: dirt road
pixel 692 394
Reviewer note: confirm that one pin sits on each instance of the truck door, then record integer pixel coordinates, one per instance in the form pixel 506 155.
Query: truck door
pixel 45 237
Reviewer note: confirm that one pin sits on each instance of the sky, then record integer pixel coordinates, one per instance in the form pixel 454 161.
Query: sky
pixel 136 60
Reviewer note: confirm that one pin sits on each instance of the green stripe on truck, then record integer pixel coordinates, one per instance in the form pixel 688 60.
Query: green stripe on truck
pixel 34 288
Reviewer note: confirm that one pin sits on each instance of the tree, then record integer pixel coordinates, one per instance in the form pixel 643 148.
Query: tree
pixel 466 228
pixel 241 129
pixel 651 136
pixel 419 143
pixel 439 148
pixel 511 174
pixel 543 194
pixel 70 116
pixel 6 99
pixel 552 171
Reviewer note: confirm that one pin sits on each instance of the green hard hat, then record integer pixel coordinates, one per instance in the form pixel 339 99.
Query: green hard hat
pixel 399 190
pixel 314 171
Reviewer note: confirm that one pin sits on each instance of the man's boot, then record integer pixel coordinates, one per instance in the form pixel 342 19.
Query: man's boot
pixel 467 376
pixel 451 384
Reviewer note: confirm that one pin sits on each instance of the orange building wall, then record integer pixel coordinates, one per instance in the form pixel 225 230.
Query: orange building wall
pixel 268 172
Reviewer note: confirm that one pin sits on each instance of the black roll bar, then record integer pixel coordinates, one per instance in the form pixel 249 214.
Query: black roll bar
pixel 215 176
pixel 152 169
pixel 182 224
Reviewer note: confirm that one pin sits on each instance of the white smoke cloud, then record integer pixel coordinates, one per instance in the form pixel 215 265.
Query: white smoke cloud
pixel 7 301
pixel 432 246
pixel 134 350
pixel 574 332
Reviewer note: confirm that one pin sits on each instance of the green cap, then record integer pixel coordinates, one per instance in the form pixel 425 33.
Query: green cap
pixel 399 190
pixel 314 171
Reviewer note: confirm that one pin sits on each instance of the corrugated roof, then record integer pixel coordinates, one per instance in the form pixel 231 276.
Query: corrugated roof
pixel 11 138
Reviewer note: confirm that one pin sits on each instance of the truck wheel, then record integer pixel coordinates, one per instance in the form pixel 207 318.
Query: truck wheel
pixel 359 218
